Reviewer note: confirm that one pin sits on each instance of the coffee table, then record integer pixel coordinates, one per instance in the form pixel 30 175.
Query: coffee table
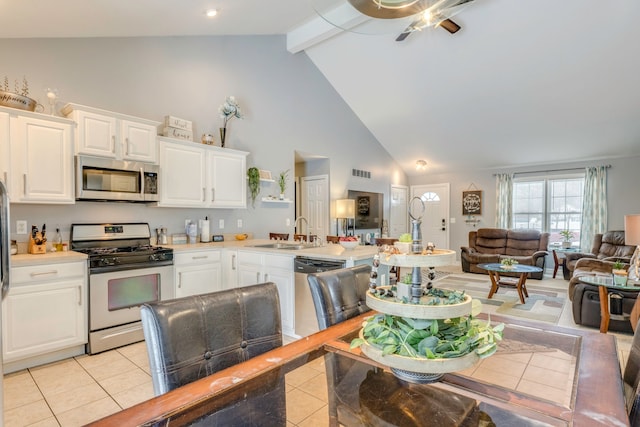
pixel 494 270
pixel 605 285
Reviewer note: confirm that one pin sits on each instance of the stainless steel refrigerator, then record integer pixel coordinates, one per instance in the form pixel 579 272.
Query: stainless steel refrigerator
pixel 5 253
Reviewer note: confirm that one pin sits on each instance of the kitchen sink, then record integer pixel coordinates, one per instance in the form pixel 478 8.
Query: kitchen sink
pixel 289 246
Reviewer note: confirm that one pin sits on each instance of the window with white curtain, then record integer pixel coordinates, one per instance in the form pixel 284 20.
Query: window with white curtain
pixel 549 204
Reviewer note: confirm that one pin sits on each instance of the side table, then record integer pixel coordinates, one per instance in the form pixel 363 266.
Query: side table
pixel 494 270
pixel 605 286
pixel 558 256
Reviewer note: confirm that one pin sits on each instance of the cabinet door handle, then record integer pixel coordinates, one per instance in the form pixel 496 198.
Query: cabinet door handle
pixel 126 146
pixel 113 143
pixel 213 194
pixel 79 295
pixel 6 183
pixel 233 262
pixel 179 280
pixel 24 181
pixel 258 277
pixel 266 277
pixel 200 257
pixel 43 273
pixel 204 194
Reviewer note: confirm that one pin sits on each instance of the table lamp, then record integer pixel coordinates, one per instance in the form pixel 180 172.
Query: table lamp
pixel 632 237
pixel 345 210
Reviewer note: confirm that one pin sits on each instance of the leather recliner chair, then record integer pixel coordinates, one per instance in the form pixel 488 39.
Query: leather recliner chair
pixel 609 246
pixel 192 337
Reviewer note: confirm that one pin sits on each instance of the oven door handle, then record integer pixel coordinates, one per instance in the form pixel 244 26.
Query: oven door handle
pixel 180 279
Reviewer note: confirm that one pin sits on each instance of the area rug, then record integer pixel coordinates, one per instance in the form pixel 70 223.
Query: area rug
pixel 545 303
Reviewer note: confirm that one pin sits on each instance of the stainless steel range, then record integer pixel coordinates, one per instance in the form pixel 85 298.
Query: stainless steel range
pixel 125 271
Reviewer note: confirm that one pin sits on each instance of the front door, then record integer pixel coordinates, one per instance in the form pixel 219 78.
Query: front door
pixel 435 220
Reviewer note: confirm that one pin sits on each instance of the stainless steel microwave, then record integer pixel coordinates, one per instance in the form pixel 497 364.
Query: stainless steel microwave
pixel 102 179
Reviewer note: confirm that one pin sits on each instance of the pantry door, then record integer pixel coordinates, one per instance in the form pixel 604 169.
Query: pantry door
pixel 315 205
pixel 435 220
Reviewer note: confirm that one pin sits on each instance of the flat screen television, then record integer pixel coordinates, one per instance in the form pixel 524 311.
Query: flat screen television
pixel 368 209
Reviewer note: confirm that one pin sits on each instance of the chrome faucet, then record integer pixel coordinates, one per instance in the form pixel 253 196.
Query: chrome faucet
pixel 295 224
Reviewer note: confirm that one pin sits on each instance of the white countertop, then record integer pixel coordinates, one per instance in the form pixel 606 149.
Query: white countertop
pixel 18 260
pixel 330 251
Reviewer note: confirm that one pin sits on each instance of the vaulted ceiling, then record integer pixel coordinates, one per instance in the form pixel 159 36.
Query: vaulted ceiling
pixel 524 82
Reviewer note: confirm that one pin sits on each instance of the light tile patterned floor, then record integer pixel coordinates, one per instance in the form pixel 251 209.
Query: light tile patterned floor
pixel 76 391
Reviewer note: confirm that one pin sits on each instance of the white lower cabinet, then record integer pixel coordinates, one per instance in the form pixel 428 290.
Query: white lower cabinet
pixel 197 272
pixel 44 312
pixel 257 267
pixel 229 268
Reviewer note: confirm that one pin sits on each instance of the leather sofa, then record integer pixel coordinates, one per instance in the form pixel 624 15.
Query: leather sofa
pixel 490 245
pixel 585 299
pixel 609 246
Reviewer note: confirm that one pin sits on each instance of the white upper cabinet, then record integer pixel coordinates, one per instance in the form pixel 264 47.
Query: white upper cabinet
pixel 227 178
pixel 107 134
pixel 5 152
pixel 182 174
pixel 36 157
pixel 202 176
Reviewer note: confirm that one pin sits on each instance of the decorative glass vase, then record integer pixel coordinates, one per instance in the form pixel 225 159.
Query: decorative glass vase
pixel 223 134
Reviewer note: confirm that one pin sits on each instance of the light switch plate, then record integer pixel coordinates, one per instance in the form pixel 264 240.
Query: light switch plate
pixel 239 223
pixel 21 227
pixel 221 223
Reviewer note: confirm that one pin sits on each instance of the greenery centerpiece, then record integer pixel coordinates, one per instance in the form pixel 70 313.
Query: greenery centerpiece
pixel 508 263
pixel 620 274
pixel 228 110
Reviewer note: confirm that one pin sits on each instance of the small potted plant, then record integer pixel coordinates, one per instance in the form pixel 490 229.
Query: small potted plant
pixel 567 235
pixel 404 243
pixel 282 182
pixel 619 273
pixel 508 263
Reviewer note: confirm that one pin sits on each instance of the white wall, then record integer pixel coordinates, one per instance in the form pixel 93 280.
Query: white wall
pixel 288 104
pixel 622 187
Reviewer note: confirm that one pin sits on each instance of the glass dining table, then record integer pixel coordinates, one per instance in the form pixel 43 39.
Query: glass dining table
pixel 542 375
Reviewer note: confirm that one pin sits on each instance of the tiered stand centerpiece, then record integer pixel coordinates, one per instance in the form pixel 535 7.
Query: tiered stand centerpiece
pixel 422 332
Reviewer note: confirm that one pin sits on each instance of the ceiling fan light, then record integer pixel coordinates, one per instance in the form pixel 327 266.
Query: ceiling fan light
pixel 394 4
pixel 421 165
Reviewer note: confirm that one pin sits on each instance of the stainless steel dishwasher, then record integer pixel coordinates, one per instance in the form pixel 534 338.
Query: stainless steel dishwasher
pixel 306 322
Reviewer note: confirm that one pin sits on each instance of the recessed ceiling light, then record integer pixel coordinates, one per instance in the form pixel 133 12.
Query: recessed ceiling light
pixel 421 165
pixel 210 13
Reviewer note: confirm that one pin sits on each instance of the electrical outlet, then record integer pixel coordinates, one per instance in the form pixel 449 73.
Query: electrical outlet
pixel 21 227
pixel 221 224
pixel 288 222
pixel 239 223
pixel 452 220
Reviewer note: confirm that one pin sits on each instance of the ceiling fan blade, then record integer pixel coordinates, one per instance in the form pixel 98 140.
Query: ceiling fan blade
pixel 403 36
pixel 449 25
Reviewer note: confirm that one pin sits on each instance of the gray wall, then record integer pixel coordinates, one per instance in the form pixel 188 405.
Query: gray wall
pixel 288 104
pixel 623 195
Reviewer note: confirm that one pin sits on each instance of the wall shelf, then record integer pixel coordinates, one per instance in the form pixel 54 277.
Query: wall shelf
pixel 270 200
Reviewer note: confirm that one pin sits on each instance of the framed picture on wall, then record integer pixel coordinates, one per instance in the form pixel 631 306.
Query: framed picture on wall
pixel 472 202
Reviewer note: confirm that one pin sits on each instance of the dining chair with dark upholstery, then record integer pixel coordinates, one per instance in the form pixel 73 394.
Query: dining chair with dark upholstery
pixel 278 236
pixel 192 337
pixel 340 294
pixel 631 378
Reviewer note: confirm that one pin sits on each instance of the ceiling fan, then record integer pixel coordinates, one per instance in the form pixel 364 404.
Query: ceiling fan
pixel 428 13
